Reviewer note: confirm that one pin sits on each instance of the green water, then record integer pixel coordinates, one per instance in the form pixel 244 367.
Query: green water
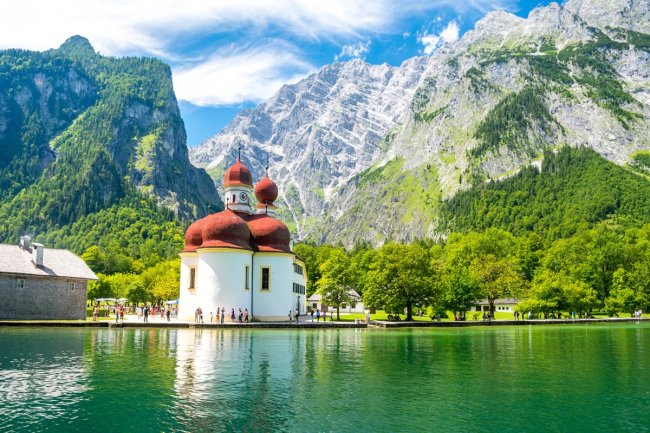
pixel 584 378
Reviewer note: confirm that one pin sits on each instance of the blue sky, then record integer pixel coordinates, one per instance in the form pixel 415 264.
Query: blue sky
pixel 227 55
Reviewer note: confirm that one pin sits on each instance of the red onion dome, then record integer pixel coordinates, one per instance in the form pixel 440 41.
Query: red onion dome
pixel 226 229
pixel 238 174
pixel 193 236
pixel 269 234
pixel 266 191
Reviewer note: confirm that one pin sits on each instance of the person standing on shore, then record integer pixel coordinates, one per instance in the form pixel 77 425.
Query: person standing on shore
pixel 312 315
pixel 145 314
pixel 318 315
pixel 223 314
pixel 290 316
pixel 169 313
pixel 95 313
pixel 246 316
pixel 239 315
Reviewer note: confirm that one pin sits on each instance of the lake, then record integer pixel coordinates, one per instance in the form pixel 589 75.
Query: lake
pixel 558 378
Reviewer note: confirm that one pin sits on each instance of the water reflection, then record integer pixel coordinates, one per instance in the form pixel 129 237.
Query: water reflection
pixel 564 378
pixel 212 366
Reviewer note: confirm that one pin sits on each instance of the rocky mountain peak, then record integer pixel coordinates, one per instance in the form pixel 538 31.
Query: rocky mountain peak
pixel 627 14
pixel 354 142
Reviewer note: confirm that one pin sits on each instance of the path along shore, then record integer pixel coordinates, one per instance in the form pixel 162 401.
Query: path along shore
pixel 306 324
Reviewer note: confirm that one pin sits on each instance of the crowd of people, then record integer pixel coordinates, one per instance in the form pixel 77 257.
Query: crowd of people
pixel 220 315
pixel 141 312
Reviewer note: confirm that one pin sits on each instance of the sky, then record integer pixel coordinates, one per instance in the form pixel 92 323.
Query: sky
pixel 228 55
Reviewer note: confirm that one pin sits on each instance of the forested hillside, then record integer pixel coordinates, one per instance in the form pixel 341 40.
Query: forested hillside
pixel 93 158
pixel 86 138
pixel 575 189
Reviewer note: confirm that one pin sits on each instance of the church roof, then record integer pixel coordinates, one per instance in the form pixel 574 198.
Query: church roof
pixel 238 174
pixel 56 263
pixel 236 228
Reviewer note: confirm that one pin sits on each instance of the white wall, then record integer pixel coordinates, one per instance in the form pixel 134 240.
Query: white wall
pixel 299 300
pixel 275 303
pixel 220 282
pixel 187 299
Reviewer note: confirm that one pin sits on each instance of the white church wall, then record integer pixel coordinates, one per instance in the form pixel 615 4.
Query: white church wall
pixel 275 303
pixel 220 282
pixel 299 300
pixel 187 299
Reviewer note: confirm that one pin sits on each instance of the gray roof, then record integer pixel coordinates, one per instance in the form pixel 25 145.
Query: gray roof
pixel 56 263
pixel 507 301
pixel 353 294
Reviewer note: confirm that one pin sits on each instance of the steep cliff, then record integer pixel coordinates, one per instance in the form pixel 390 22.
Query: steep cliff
pixel 81 133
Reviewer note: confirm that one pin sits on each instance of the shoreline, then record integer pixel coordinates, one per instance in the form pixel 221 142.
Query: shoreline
pixel 307 325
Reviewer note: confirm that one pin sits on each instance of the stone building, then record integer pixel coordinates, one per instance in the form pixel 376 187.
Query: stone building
pixel 42 283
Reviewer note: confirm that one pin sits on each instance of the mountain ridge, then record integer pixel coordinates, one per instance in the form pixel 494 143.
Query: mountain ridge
pixel 483 107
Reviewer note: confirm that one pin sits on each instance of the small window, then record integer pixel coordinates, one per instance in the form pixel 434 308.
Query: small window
pixel 71 285
pixel 297 269
pixel 20 283
pixel 344 305
pixel 266 278
pixel 246 285
pixel 192 278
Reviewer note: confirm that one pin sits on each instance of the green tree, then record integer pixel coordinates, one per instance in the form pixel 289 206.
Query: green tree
pixel 94 258
pixel 337 279
pixel 626 295
pixel 460 290
pixel 401 277
pixel 136 292
pixel 361 261
pixel 162 280
pixel 119 283
pixel 496 278
pixel 100 289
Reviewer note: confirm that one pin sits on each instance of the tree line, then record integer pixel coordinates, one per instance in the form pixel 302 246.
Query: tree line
pixel 605 268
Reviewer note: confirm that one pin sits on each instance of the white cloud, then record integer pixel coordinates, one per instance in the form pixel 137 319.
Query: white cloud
pixel 430 43
pixel 433 41
pixel 231 76
pixel 353 50
pixel 173 30
pixel 127 26
pixel 450 33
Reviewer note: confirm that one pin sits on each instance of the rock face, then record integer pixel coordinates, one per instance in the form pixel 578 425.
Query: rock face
pixel 80 132
pixel 368 152
pixel 319 132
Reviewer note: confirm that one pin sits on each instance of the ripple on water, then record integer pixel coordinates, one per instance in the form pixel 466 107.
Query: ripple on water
pixel 565 378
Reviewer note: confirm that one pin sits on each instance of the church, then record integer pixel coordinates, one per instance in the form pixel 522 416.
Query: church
pixel 241 258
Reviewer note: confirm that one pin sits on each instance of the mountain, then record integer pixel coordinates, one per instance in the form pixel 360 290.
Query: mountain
pixel 317 133
pixel 82 136
pixel 383 159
